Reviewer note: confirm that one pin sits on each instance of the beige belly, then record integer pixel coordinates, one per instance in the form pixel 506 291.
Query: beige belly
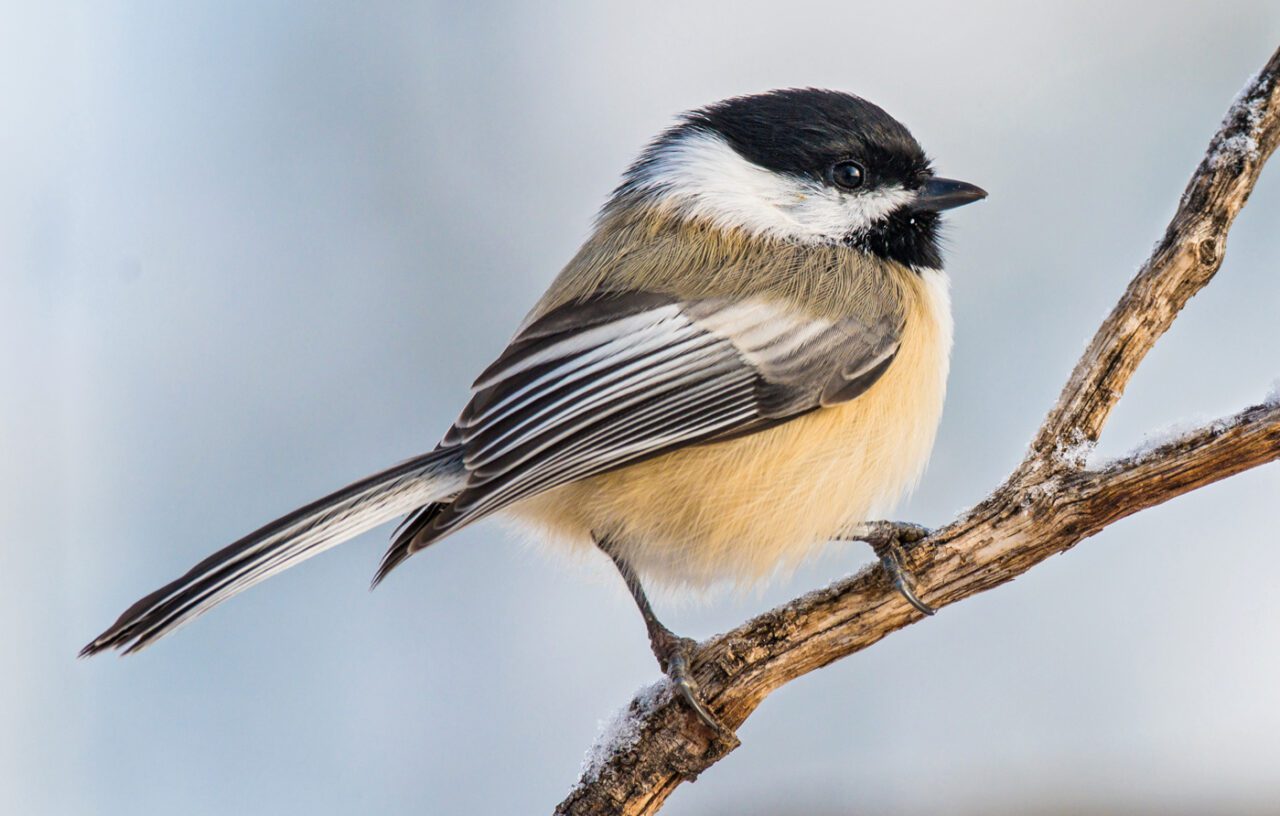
pixel 739 510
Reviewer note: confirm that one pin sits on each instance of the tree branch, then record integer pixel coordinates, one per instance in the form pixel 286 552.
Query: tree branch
pixel 1185 260
pixel 1051 502
pixel 1199 457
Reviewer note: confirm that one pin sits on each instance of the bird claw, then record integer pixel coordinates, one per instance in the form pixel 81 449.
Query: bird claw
pixel 902 579
pixel 887 538
pixel 675 663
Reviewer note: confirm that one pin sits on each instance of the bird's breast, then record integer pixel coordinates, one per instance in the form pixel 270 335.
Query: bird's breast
pixel 742 508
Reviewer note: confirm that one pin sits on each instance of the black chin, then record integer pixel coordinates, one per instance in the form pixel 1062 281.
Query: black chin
pixel 906 237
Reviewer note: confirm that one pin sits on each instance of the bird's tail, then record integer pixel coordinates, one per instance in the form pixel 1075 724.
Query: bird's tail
pixel 281 544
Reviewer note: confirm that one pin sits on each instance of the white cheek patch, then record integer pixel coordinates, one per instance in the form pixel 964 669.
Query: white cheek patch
pixel 704 177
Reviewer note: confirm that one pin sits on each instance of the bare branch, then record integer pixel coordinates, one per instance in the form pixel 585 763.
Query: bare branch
pixel 1205 455
pixel 1185 260
pixel 1049 504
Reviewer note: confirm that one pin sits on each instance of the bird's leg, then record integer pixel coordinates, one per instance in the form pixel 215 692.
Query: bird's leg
pixel 673 652
pixel 887 538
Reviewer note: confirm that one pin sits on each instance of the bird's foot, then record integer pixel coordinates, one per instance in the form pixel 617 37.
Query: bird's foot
pixel 674 658
pixel 887 539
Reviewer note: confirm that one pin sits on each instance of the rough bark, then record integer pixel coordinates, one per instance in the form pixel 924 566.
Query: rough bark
pixel 1053 500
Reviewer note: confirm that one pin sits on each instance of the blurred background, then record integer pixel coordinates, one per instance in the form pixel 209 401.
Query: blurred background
pixel 250 252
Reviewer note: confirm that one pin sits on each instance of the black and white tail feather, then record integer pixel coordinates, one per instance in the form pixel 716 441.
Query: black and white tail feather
pixel 283 543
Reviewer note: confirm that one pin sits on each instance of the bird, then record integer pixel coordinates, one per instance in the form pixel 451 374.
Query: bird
pixel 747 358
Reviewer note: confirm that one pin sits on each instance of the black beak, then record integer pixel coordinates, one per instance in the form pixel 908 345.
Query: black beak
pixel 939 194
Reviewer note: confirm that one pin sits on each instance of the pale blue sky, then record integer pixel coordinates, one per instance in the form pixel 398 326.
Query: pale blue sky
pixel 251 252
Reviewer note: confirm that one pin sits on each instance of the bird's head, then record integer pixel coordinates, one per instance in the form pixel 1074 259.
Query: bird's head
pixel 803 165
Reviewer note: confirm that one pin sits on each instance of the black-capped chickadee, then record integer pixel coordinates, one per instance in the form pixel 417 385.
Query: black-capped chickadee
pixel 747 358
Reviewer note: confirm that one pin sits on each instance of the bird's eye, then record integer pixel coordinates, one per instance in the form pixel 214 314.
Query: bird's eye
pixel 847 175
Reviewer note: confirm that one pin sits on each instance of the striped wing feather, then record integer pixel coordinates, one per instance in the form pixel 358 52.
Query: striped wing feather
pixel 594 386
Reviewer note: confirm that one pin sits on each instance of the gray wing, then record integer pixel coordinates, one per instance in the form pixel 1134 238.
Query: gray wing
pixel 590 387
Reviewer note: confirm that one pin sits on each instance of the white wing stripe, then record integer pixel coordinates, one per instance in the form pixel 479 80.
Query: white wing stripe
pixel 795 337
pixel 607 355
pixel 584 340
pixel 672 362
pixel 623 396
